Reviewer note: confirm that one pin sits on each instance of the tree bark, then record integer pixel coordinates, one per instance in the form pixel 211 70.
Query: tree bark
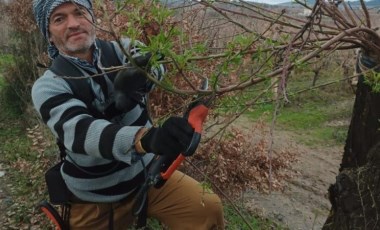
pixel 355 196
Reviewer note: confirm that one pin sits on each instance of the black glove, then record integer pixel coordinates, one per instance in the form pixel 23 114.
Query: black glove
pixel 172 138
pixel 130 86
pixel 142 60
pixel 131 83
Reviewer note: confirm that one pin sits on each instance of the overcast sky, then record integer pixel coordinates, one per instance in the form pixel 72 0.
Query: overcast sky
pixel 277 1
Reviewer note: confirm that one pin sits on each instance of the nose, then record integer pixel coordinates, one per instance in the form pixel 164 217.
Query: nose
pixel 72 21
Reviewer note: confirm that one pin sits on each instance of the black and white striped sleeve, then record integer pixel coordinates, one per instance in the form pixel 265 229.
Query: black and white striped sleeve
pixel 70 120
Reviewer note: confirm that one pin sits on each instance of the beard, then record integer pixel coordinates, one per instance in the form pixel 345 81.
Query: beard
pixel 73 48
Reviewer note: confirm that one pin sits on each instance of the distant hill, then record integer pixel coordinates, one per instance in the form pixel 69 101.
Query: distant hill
pixel 372 3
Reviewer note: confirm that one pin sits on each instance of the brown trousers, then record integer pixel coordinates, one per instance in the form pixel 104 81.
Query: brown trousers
pixel 181 203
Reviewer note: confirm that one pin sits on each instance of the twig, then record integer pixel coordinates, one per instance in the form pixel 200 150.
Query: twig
pixel 206 3
pixel 364 7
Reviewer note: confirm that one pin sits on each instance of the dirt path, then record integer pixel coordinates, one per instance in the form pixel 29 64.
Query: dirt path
pixel 304 203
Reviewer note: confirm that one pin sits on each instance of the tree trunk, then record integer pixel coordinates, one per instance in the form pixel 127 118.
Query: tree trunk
pixel 355 197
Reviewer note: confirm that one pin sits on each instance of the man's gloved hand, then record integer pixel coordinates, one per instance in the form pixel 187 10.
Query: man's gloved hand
pixel 141 60
pixel 172 138
pixel 130 86
pixel 131 83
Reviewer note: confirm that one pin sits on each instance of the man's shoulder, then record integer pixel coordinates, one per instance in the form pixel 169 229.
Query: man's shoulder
pixel 48 77
pixel 47 74
pixel 48 84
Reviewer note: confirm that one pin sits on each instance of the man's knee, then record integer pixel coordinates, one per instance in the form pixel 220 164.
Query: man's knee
pixel 214 210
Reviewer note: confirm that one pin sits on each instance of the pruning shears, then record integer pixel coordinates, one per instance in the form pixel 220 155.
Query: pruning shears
pixel 164 166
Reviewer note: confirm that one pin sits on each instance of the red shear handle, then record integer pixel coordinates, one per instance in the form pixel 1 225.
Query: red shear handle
pixel 165 175
pixel 52 214
pixel 197 116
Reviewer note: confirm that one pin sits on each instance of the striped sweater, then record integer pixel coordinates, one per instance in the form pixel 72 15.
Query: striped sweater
pixel 100 165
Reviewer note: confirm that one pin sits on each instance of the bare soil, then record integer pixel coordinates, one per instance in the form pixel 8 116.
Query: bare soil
pixel 303 204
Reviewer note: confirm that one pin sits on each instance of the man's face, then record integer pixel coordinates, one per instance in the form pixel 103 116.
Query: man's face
pixel 71 30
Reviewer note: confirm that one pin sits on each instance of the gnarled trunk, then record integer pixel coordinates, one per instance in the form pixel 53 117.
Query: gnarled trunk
pixel 355 197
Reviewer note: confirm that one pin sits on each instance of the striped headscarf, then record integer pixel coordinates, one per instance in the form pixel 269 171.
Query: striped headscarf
pixel 42 10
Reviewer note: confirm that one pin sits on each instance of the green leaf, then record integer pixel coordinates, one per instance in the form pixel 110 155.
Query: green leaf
pixel 372 78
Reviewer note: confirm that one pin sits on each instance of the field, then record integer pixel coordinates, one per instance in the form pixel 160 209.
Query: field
pixel 313 126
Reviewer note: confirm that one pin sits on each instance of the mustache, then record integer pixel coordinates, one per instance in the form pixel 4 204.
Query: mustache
pixel 72 31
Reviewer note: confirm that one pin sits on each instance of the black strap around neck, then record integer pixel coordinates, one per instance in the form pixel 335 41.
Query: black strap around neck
pixel 80 86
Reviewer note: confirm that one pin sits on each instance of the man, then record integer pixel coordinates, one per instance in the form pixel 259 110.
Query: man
pixel 107 153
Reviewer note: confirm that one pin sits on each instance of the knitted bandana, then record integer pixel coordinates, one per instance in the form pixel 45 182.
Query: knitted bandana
pixel 42 10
